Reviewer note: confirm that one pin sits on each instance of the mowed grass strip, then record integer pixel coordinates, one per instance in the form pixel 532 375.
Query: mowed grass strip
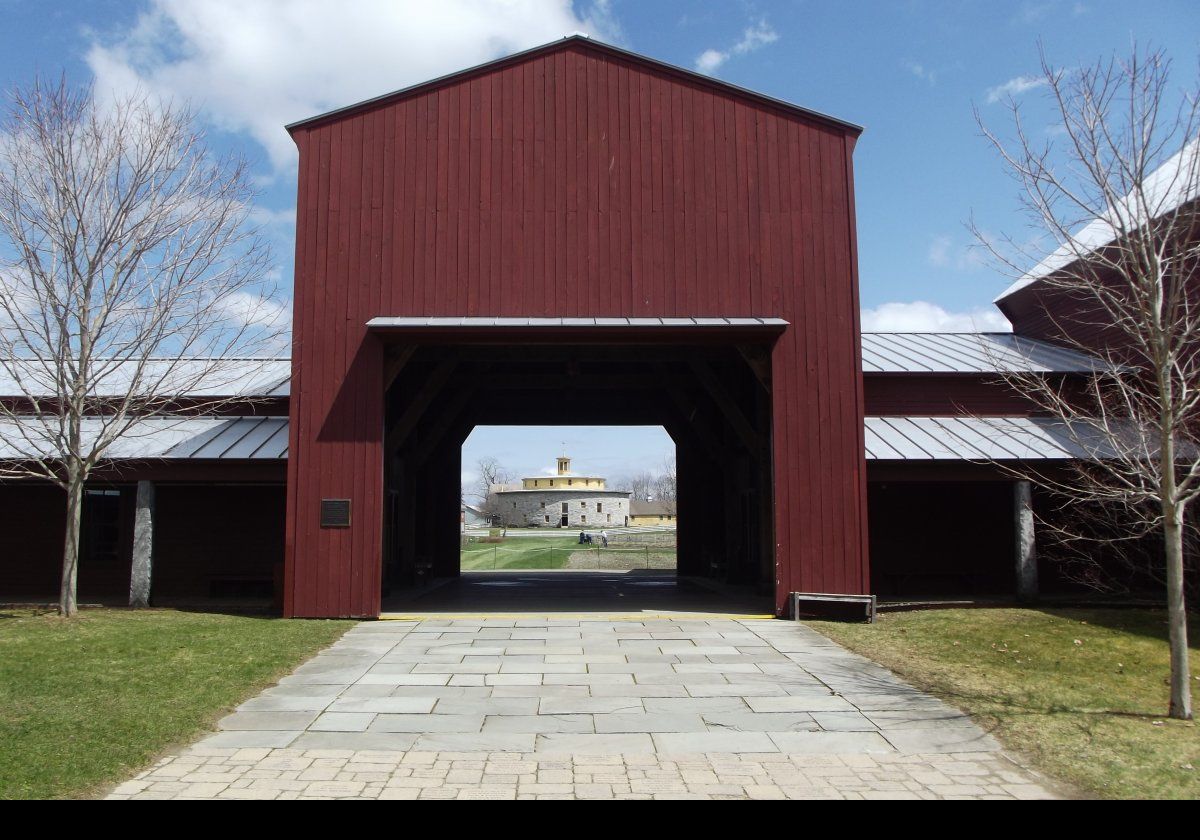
pixel 520 553
pixel 85 703
pixel 1083 693
pixel 555 552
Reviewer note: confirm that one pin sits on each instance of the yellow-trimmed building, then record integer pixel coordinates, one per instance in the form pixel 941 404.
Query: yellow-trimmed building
pixel 564 480
pixel 645 514
pixel 565 500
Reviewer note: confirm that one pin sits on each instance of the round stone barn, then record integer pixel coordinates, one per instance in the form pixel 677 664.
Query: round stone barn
pixel 563 500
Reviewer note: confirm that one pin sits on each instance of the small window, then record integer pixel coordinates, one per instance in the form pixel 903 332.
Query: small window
pixel 564 507
pixel 583 517
pixel 609 519
pixel 543 505
pixel 100 527
pixel 569 482
pixel 598 507
pixel 547 518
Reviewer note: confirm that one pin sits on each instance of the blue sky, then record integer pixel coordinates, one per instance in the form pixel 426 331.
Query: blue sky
pixel 909 71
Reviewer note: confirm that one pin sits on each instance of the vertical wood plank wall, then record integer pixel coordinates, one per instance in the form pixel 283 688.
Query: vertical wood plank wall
pixel 573 182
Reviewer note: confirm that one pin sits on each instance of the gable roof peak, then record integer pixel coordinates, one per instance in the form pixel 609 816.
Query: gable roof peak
pixel 581 39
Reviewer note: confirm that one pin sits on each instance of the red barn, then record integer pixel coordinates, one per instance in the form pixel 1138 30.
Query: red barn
pixel 602 237
pixel 575 235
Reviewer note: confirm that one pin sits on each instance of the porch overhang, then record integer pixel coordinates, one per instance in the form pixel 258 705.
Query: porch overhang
pixel 484 330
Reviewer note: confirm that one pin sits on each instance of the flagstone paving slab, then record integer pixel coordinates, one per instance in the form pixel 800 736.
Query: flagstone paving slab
pixel 590 708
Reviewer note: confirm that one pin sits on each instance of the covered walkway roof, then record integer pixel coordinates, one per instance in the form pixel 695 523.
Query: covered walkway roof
pixel 887 439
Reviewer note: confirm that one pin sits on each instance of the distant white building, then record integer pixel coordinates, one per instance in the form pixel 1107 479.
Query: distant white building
pixel 473 517
pixel 564 500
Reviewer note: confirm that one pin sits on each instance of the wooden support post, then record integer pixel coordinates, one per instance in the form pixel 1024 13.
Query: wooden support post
pixel 1026 544
pixel 452 415
pixel 417 406
pixel 143 546
pixel 765 492
pixel 395 363
pixel 758 358
pixel 727 404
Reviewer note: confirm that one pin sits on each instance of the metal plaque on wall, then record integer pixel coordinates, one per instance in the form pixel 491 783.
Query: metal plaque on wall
pixel 335 513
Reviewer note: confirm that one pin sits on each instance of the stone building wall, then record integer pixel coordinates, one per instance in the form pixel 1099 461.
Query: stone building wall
pixel 544 508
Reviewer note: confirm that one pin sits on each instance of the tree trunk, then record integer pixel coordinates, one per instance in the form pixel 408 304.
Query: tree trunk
pixel 1026 542
pixel 67 606
pixel 1181 689
pixel 143 547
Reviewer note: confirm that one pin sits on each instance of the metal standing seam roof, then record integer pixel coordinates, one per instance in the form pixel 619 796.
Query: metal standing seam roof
pixel 170 438
pixel 1166 188
pixel 882 352
pixel 199 378
pixel 896 352
pixel 640 508
pixel 974 439
pixel 237 438
pixel 887 439
pixel 460 322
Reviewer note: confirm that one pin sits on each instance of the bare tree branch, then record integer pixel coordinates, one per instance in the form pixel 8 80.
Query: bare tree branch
pixel 1117 193
pixel 129 278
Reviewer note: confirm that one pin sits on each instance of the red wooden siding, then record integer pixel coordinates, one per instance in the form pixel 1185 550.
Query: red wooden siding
pixel 1056 316
pixel 577 181
pixel 202 531
pixel 949 395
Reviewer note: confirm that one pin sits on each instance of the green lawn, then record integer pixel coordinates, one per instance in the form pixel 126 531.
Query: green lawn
pixel 551 552
pixel 1082 693
pixel 85 703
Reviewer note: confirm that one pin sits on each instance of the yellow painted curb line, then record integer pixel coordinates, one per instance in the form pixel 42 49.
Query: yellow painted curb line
pixel 573 617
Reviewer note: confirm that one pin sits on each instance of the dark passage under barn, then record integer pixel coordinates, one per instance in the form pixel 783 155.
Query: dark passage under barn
pixel 709 390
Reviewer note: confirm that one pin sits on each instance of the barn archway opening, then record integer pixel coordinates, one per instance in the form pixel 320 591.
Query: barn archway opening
pixel 574 518
pixel 712 399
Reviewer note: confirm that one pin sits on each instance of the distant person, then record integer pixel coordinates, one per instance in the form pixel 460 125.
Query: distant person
pixel 604 538
pixel 582 538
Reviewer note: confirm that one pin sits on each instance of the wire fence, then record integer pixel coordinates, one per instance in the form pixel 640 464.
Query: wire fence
pixel 584 557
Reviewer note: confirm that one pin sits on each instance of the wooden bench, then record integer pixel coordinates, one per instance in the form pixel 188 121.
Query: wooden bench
pixel 828 605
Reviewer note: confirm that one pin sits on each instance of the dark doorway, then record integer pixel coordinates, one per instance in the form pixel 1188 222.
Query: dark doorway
pixel 712 399
pixel 941 539
pixel 549 592
pixel 105 543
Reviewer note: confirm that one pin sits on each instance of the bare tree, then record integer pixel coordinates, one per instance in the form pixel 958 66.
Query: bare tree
pixel 665 486
pixel 500 514
pixel 647 486
pixel 1113 189
pixel 640 486
pixel 491 473
pixel 129 278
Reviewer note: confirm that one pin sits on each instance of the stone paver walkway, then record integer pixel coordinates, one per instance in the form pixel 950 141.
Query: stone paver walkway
pixel 561 708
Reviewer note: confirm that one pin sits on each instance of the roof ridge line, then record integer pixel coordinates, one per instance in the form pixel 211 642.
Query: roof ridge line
pixel 563 43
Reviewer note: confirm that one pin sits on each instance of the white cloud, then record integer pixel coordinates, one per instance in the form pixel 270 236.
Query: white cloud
pixel 753 38
pixel 710 60
pixel 944 252
pixel 922 316
pixel 270 219
pixel 922 72
pixel 254 67
pixel 1035 12
pixel 759 35
pixel 1014 88
pixel 252 310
